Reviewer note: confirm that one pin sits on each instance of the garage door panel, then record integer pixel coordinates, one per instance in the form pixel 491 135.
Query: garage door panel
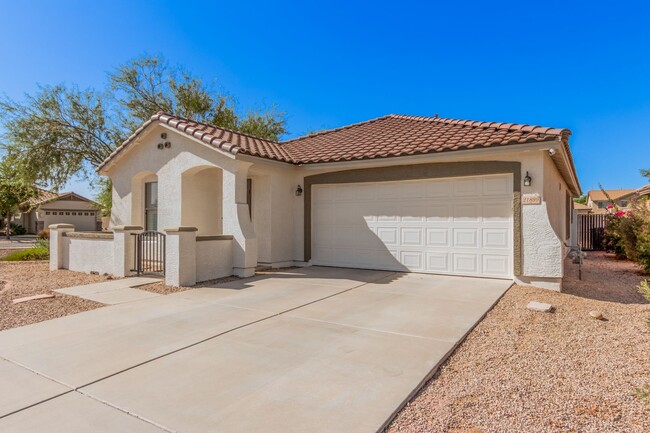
pixel 467 212
pixel 495 264
pixel 438 237
pixel 413 260
pixel 466 238
pixel 500 185
pixel 438 262
pixel 438 188
pixel 469 187
pixel 438 212
pixel 496 238
pixel 497 210
pixel 388 235
pixel 412 236
pixel 450 226
pixel 466 264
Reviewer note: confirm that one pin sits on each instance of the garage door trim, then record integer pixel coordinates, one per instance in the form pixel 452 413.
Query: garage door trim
pixel 421 171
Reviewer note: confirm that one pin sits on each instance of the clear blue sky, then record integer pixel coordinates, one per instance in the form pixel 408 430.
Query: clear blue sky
pixel 579 65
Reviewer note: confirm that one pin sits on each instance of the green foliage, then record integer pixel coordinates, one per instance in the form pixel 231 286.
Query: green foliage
pixel 105 195
pixel 582 199
pixel 643 392
pixel 61 132
pixel 645 173
pixel 644 289
pixel 34 253
pixel 43 243
pixel 15 191
pixel 628 233
pixel 17 229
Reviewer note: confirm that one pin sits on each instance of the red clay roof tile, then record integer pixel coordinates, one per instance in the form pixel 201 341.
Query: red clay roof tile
pixel 391 135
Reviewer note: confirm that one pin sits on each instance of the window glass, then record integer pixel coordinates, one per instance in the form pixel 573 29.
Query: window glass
pixel 151 195
pixel 151 206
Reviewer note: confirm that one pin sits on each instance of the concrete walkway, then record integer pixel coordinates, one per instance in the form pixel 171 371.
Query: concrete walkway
pixel 315 349
pixel 113 292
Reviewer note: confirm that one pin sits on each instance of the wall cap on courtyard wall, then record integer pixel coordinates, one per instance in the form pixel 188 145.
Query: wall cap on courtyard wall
pixel 181 229
pixel 60 226
pixel 215 238
pixel 89 235
pixel 126 228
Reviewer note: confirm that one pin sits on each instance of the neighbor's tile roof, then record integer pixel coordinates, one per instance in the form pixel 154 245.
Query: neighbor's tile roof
pixel 42 196
pixel 392 135
pixel 615 194
pixel 580 206
pixel 644 190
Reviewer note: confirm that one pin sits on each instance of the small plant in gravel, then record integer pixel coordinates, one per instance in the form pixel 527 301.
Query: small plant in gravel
pixel 643 392
pixel 644 289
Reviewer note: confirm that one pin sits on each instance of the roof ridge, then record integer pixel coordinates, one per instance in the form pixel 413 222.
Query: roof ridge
pixel 340 128
pixel 164 113
pixel 529 129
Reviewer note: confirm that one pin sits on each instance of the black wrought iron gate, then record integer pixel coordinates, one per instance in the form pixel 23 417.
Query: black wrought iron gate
pixel 149 257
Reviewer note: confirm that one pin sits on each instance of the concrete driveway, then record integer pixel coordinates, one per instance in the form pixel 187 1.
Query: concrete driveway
pixel 313 349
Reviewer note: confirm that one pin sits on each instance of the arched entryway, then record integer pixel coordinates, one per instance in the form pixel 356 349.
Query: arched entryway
pixel 201 200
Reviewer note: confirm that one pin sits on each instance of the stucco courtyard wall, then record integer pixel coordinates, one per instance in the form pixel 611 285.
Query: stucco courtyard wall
pixel 213 258
pixel 88 254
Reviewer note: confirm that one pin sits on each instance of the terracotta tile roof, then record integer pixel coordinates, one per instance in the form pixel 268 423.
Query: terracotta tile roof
pixel 399 135
pixel 580 206
pixel 217 137
pixel 42 197
pixel 615 194
pixel 643 191
pixel 388 136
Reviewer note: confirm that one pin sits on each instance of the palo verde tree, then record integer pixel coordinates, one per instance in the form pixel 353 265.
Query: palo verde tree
pixel 61 132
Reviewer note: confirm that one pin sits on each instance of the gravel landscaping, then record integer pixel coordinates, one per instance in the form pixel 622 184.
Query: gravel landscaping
pixel 525 371
pixel 20 279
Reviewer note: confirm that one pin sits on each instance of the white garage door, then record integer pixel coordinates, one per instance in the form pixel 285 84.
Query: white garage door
pixel 459 226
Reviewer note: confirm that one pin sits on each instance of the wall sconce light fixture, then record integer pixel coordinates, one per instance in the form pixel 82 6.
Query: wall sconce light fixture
pixel 299 191
pixel 527 180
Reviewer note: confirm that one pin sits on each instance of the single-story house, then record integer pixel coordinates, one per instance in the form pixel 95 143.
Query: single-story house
pixel 598 201
pixel 401 193
pixel 49 208
pixel 643 192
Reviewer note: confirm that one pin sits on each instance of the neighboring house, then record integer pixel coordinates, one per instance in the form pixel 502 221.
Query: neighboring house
pixel 643 192
pixel 582 209
pixel 598 201
pixel 51 208
pixel 399 193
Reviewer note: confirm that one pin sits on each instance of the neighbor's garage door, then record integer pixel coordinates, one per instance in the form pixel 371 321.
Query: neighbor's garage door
pixel 459 226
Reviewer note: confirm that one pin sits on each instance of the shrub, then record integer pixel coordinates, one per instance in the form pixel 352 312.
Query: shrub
pixel 644 289
pixel 44 234
pixel 43 243
pixel 628 234
pixel 34 253
pixel 613 241
pixel 17 229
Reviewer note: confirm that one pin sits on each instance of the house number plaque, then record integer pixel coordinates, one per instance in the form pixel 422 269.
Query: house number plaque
pixel 531 199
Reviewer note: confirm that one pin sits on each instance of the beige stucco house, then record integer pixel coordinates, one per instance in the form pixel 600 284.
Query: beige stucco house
pixel 599 200
pixel 401 193
pixel 49 208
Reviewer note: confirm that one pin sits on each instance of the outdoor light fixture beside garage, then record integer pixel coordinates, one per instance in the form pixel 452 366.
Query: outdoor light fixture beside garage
pixel 299 191
pixel 527 180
